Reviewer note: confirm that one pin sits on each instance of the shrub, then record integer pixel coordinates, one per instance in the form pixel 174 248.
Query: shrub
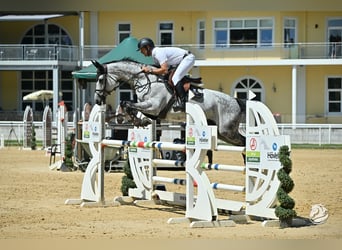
pixel 284 211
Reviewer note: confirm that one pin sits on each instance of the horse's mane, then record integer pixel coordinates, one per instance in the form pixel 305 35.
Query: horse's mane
pixel 128 59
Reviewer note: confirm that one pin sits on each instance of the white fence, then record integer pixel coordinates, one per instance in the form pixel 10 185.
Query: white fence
pixel 300 133
pixel 14 131
pixel 312 133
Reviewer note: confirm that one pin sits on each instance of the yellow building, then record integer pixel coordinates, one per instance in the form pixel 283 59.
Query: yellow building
pixel 288 52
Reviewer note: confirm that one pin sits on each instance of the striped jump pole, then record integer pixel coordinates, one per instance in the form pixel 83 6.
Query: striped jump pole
pixel 168 163
pixel 215 166
pixel 146 145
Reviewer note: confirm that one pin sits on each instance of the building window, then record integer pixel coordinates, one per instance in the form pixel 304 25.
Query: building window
pixel 334 36
pixel 55 35
pixel 243 32
pixel 334 95
pixel 244 85
pixel 201 34
pixel 42 79
pixel 221 33
pixel 124 93
pixel 290 31
pixel 166 34
pixel 124 31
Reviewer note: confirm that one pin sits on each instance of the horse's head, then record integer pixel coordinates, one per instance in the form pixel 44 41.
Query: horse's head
pixel 105 83
pixel 110 76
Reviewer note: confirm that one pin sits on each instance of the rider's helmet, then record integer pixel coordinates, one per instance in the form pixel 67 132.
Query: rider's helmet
pixel 145 42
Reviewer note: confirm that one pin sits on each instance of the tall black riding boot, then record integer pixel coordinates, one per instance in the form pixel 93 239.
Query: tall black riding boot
pixel 180 106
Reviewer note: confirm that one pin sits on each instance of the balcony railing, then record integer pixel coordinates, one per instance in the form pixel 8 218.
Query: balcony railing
pixel 202 52
pixel 14 52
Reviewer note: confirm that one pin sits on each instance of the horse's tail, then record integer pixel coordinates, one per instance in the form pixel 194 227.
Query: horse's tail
pixel 241 118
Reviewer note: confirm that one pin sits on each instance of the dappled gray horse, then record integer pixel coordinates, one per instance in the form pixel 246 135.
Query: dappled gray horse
pixel 155 99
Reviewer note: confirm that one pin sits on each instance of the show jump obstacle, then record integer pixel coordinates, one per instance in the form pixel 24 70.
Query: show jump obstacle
pixel 261 165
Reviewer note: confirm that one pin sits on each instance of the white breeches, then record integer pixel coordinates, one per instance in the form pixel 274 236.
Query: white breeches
pixel 183 68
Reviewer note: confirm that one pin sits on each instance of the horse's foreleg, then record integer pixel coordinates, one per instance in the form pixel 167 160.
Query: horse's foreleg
pixel 133 110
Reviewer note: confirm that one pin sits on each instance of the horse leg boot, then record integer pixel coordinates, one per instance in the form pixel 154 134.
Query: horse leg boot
pixel 180 106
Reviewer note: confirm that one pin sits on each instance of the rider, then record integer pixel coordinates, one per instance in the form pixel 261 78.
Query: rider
pixel 166 57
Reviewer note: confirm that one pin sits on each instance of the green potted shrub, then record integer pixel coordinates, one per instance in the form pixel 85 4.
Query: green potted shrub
pixel 127 181
pixel 68 162
pixel 284 211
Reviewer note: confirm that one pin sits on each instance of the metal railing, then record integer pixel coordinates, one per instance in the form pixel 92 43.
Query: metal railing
pixel 202 52
pixel 38 52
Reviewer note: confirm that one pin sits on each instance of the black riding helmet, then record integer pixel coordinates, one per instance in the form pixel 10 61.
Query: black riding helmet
pixel 145 42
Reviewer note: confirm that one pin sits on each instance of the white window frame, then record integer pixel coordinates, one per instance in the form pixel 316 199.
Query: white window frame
pixel 199 30
pixel 258 27
pixel 119 91
pixel 288 44
pixel 118 32
pixel 327 97
pixel 224 29
pixel 160 32
pixel 337 50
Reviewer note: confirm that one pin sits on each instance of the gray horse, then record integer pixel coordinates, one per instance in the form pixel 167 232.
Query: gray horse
pixel 155 98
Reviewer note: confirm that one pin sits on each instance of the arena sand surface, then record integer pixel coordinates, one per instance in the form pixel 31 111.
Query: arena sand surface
pixel 33 196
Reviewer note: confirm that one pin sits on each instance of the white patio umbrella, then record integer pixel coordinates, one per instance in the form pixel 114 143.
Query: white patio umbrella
pixel 40 95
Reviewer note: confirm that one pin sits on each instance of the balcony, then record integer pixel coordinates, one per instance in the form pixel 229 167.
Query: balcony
pixel 16 52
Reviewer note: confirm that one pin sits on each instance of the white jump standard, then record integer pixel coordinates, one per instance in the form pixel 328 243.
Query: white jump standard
pixel 261 183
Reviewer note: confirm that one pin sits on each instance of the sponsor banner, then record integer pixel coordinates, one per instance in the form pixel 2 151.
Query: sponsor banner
pixel 139 135
pixel 198 137
pixel 91 131
pixel 264 150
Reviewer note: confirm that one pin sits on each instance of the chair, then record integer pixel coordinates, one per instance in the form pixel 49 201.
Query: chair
pixel 53 150
pixel 31 53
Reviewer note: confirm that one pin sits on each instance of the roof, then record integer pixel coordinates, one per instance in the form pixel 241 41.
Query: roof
pixel 177 5
pixel 126 49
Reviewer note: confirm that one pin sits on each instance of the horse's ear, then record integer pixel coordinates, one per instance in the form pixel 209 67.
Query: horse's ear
pixel 101 69
pixel 96 63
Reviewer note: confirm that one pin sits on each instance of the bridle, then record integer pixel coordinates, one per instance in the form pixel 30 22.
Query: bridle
pixel 138 87
pixel 102 93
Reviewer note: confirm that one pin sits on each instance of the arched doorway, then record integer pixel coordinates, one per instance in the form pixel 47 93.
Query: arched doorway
pixel 245 84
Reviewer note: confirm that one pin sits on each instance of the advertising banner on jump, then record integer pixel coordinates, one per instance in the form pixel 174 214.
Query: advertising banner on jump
pixel 140 135
pixel 264 151
pixel 91 131
pixel 198 137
